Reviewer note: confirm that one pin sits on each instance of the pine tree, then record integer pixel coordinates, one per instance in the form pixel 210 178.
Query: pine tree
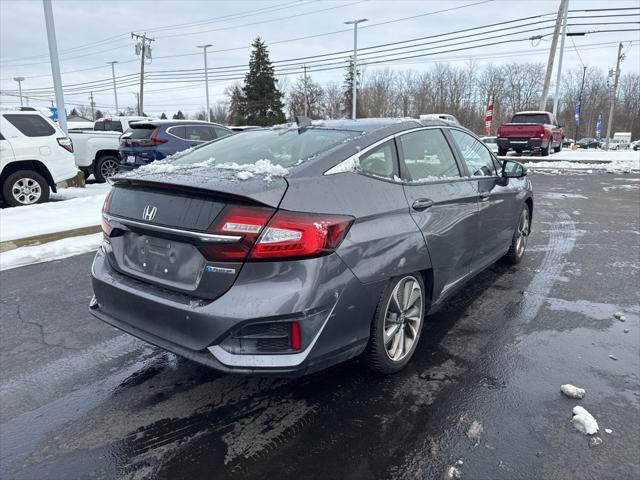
pixel 236 105
pixel 347 90
pixel 74 112
pixel 99 114
pixel 163 116
pixel 178 115
pixel 262 101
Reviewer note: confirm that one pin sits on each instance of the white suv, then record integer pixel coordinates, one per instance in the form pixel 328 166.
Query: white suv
pixel 35 154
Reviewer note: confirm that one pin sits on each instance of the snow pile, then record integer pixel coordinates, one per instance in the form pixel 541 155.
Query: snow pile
pixel 43 218
pixel 92 189
pixel 261 167
pixel 572 391
pixel 166 166
pixel 623 161
pixel 50 251
pixel 584 421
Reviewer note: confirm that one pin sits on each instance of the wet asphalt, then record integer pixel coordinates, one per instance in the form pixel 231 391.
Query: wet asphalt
pixel 79 399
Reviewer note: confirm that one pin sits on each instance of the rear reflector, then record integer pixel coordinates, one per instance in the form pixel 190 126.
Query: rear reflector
pixel 106 227
pixel 295 336
pixel 269 236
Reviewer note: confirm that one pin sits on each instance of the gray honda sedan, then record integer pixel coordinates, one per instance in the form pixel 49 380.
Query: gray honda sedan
pixel 287 250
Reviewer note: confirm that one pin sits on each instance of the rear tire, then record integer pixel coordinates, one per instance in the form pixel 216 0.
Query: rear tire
pixel 25 187
pixel 519 240
pixel 397 324
pixel 557 149
pixel 105 167
pixel 502 151
pixel 544 151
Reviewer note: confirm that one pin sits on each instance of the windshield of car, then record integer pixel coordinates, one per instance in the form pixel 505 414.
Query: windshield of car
pixel 530 118
pixel 283 147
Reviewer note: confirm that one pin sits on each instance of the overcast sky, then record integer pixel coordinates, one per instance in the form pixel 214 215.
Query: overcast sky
pixel 91 33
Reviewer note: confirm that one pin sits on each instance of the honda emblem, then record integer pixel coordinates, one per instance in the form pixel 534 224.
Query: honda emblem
pixel 149 212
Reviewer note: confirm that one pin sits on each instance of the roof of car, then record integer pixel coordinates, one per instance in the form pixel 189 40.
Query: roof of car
pixel 369 125
pixel 176 122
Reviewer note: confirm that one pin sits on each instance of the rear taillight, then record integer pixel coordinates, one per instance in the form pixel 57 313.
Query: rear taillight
pixel 66 143
pixel 285 235
pixel 300 235
pixel 106 227
pixel 152 141
pixel 245 221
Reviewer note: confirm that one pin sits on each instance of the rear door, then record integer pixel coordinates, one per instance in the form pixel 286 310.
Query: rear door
pixel 442 202
pixel 497 202
pixel 6 152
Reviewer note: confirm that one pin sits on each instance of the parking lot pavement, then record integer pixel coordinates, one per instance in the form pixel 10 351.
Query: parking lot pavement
pixel 482 393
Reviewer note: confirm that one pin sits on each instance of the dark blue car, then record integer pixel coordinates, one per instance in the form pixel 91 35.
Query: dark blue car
pixel 147 141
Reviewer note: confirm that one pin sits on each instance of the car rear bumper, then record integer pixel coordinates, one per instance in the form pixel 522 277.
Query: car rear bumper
pixel 63 167
pixel 321 288
pixel 522 143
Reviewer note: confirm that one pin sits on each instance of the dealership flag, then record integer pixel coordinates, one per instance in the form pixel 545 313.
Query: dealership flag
pixel 599 126
pixel 488 119
pixel 578 111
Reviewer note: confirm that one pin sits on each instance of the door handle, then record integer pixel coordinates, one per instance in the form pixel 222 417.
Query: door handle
pixel 484 195
pixel 422 204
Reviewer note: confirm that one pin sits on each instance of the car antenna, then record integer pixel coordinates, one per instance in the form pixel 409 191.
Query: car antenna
pixel 303 122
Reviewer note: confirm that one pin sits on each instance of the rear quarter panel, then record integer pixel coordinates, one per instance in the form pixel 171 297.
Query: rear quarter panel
pixel 383 241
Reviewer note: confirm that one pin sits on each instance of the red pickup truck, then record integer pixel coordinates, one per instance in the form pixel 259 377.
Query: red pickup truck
pixel 530 131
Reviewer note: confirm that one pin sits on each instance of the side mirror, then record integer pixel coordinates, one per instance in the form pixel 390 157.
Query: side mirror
pixel 513 169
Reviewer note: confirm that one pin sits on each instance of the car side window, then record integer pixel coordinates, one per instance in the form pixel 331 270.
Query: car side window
pixel 475 154
pixel 427 156
pixel 199 133
pixel 221 132
pixel 177 132
pixel 31 125
pixel 380 161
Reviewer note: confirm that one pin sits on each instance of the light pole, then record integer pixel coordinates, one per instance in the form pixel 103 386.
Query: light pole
pixel 113 75
pixel 559 75
pixel 206 77
pixel 19 80
pixel 55 63
pixel 355 62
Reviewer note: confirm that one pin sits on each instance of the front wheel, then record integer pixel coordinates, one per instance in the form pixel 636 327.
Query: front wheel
pixel 105 167
pixel 397 324
pixel 519 240
pixel 557 149
pixel 544 151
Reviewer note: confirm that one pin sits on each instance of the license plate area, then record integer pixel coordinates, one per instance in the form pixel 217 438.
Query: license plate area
pixel 131 159
pixel 166 262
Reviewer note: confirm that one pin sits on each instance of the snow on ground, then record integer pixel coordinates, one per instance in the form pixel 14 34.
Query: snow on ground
pixel 584 421
pixel 75 192
pixel 572 391
pixel 50 251
pixel 82 211
pixel 617 161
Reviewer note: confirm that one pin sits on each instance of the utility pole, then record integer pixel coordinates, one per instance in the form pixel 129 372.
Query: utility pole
pixel 613 95
pixel 559 75
pixel 579 107
pixel 552 53
pixel 92 104
pixel 355 62
pixel 206 78
pixel 306 94
pixel 113 75
pixel 144 47
pixel 137 102
pixel 55 63
pixel 19 80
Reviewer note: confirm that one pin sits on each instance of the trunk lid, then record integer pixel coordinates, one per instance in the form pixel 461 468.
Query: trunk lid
pixel 520 130
pixel 161 227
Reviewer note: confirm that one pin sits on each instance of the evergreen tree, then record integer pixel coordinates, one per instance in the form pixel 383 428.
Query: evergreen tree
pixel 262 101
pixel 178 115
pixel 347 90
pixel 236 105
pixel 74 112
pixel 163 116
pixel 99 115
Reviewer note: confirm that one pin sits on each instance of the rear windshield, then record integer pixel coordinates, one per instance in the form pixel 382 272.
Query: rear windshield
pixel 284 147
pixel 31 125
pixel 108 125
pixel 139 131
pixel 530 118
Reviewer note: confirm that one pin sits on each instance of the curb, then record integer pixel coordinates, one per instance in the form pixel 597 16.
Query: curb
pixel 48 237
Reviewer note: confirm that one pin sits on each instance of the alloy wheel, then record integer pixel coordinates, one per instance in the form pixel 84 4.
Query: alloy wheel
pixel 402 319
pixel 522 232
pixel 26 191
pixel 109 168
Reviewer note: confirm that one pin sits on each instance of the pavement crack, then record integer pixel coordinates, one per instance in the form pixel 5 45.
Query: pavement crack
pixel 40 327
